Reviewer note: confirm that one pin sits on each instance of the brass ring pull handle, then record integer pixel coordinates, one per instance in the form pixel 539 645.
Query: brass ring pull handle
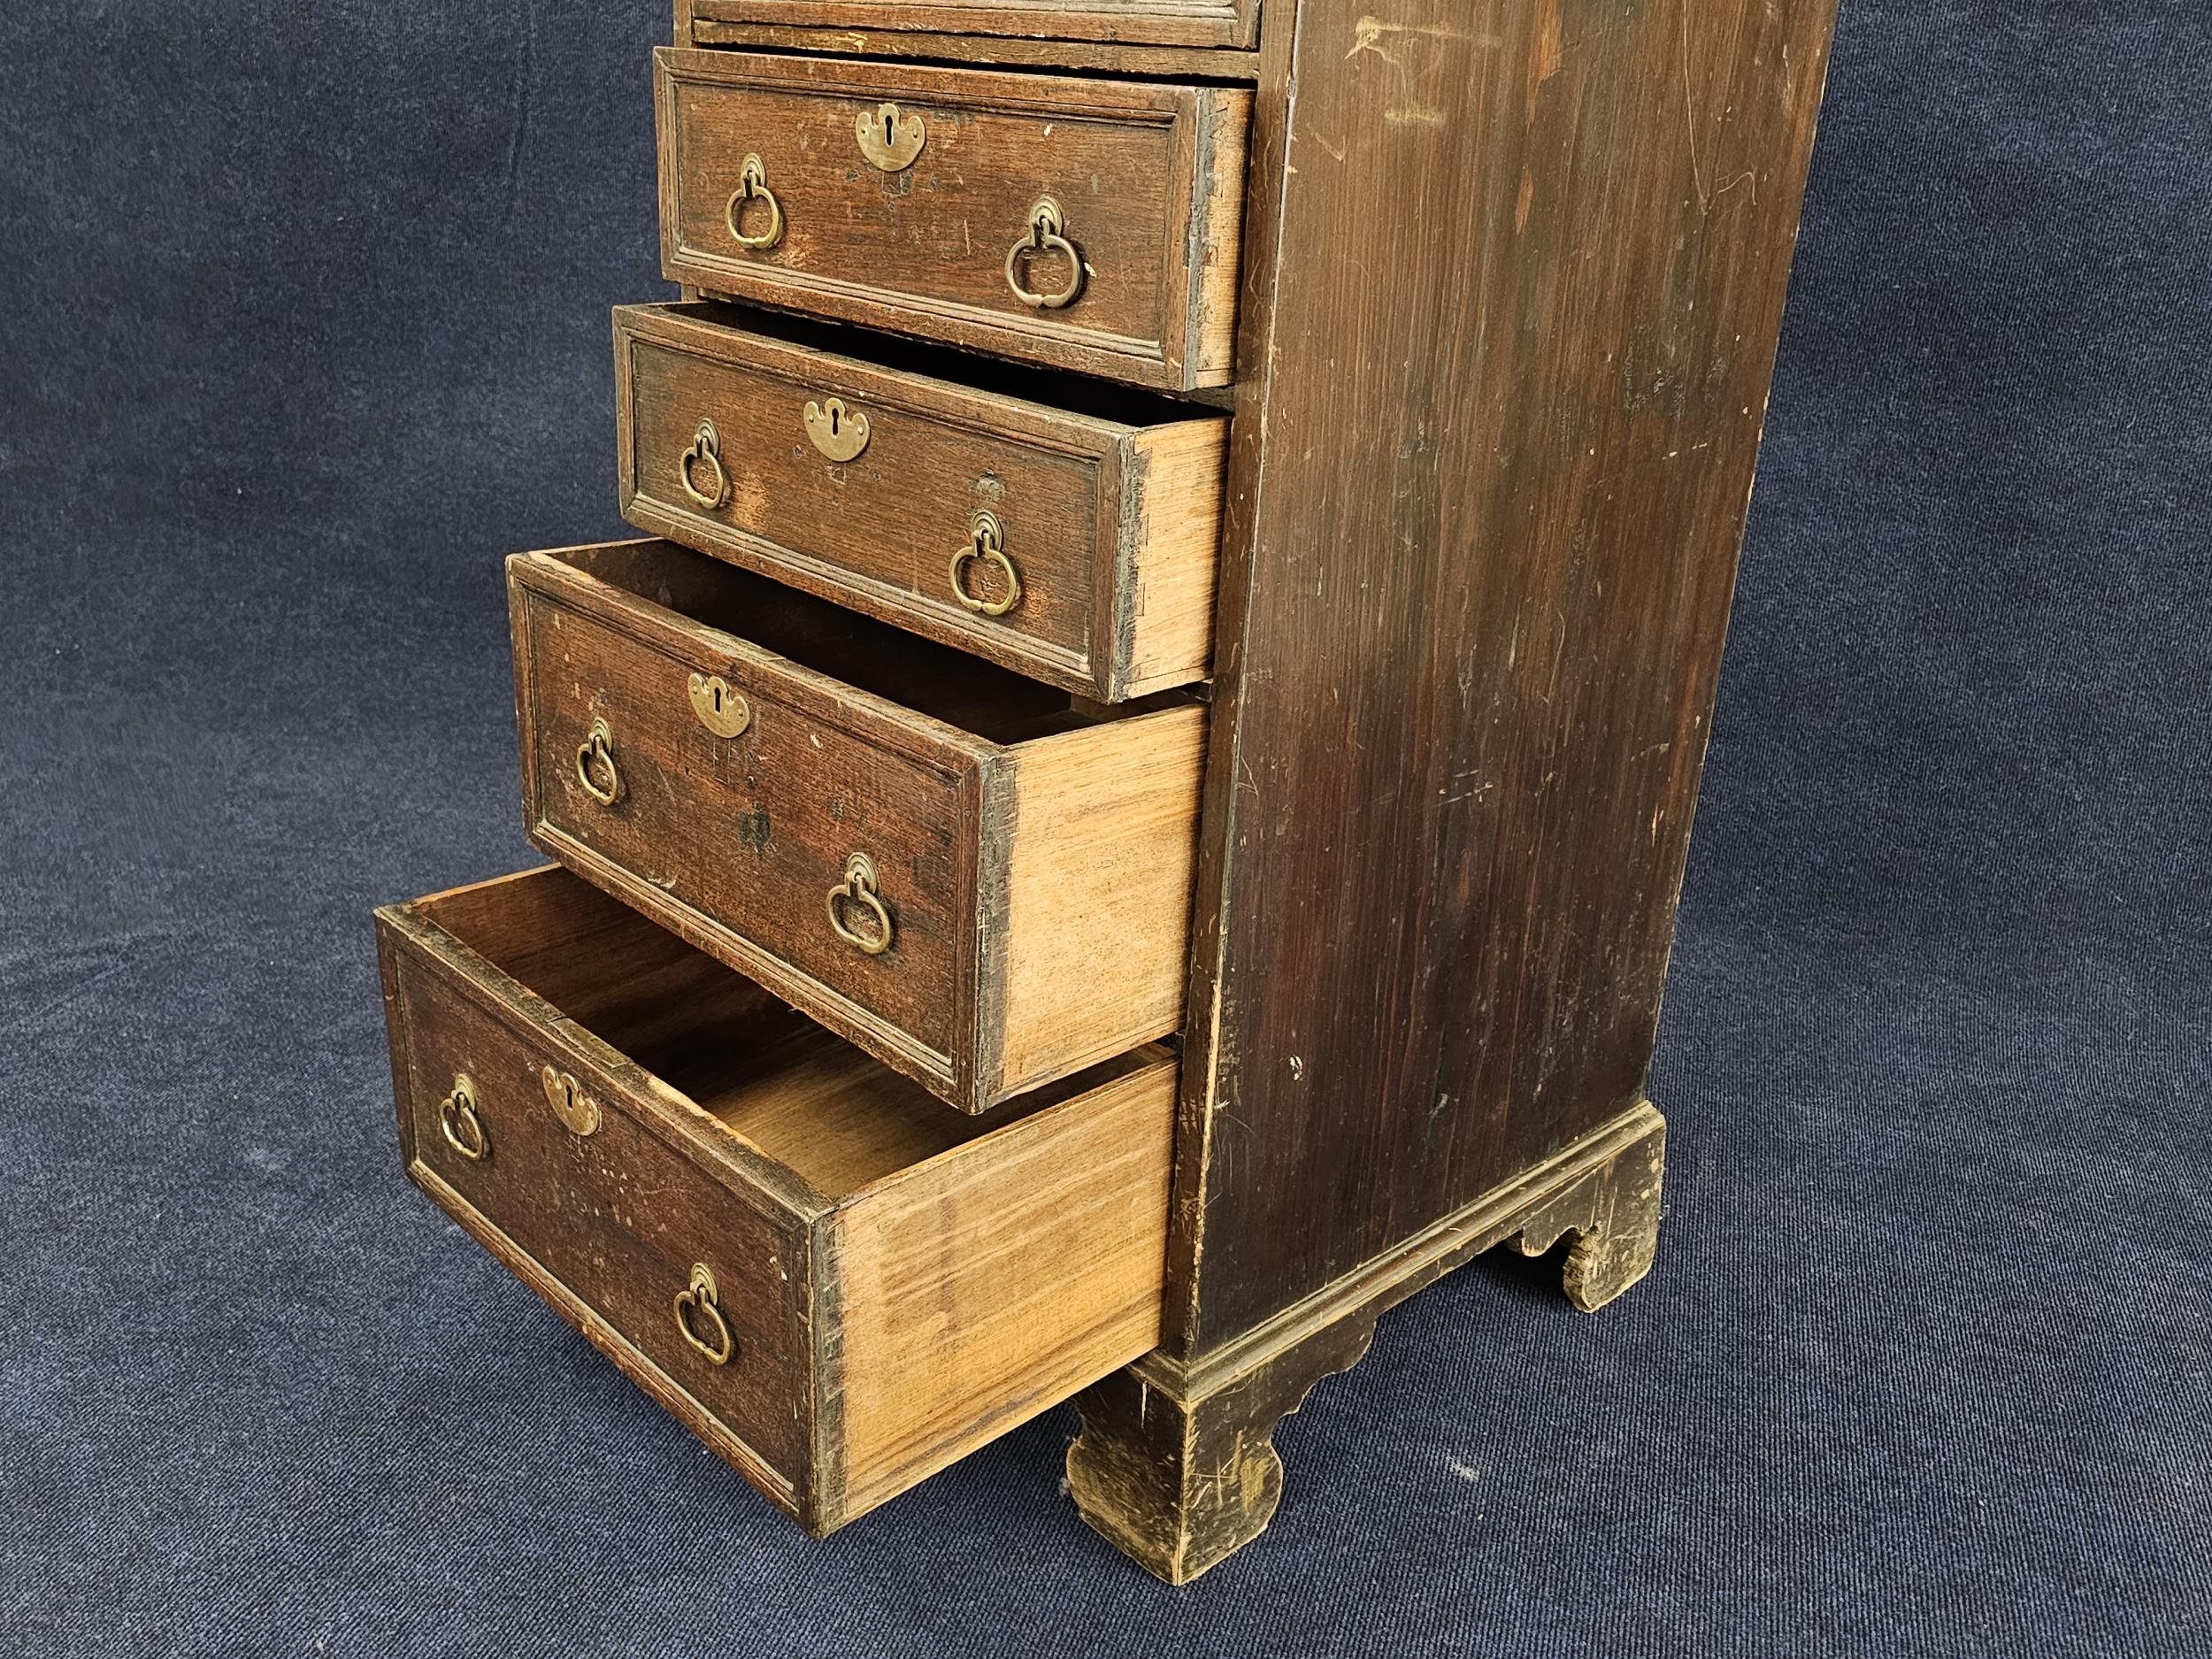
pixel 986 545
pixel 721 711
pixel 594 756
pixel 456 1117
pixel 1047 234
pixel 706 450
pixel 752 186
pixel 859 888
pixel 579 1113
pixel 700 1304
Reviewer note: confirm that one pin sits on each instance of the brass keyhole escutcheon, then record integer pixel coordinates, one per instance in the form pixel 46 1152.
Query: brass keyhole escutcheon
pixel 1047 234
pixel 579 1113
pixel 752 186
pixel 838 432
pixel 720 709
pixel 699 1309
pixel 888 140
pixel 596 767
pixel 463 1129
pixel 858 893
pixel 987 546
pixel 705 452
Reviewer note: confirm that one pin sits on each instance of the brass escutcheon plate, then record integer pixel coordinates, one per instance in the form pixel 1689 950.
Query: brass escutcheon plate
pixel 579 1113
pixel 721 711
pixel 888 140
pixel 839 433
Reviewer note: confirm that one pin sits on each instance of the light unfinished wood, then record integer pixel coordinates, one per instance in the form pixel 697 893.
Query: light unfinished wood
pixel 838 1118
pixel 1149 177
pixel 978 1290
pixel 900 1284
pixel 1222 142
pixel 1108 502
pixel 1034 852
pixel 1168 556
pixel 1099 859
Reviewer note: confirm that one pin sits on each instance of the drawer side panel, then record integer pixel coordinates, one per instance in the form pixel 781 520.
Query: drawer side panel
pixel 992 1283
pixel 1100 860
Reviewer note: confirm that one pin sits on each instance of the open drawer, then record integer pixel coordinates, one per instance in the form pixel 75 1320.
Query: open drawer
pixel 980 881
pixel 1062 528
pixel 839 1286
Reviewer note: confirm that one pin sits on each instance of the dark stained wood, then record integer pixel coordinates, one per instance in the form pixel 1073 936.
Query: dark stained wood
pixel 1034 860
pixel 1109 514
pixel 1149 176
pixel 1011 52
pixel 837 1207
pixel 1176 1463
pixel 1476 575
pixel 1164 22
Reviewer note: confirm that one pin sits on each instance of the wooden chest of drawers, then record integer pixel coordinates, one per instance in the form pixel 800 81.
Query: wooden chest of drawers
pixel 1134 819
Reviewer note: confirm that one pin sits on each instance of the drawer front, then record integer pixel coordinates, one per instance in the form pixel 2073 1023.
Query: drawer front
pixel 884 527
pixel 615 1215
pixel 1131 22
pixel 1085 224
pixel 752 832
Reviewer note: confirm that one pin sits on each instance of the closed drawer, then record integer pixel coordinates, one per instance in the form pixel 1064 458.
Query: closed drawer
pixel 1150 22
pixel 963 871
pixel 1087 223
pixel 1075 545
pixel 839 1286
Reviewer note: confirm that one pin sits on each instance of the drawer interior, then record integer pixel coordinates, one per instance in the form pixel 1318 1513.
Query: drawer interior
pixel 835 1117
pixel 980 698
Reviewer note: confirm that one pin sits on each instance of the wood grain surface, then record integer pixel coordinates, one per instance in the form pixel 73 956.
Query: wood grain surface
pixel 1149 177
pixel 899 1284
pixel 1098 860
pixel 1033 858
pixel 1515 293
pixel 976 1292
pixel 1163 22
pixel 1111 521
pixel 1011 52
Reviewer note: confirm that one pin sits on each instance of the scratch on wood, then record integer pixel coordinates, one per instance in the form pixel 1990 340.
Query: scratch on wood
pixel 1705 198
pixel 1370 29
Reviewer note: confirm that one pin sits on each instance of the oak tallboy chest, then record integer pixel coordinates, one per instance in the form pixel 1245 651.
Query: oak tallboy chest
pixel 1134 817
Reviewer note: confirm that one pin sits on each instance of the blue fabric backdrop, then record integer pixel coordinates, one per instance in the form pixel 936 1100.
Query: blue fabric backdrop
pixel 304 314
